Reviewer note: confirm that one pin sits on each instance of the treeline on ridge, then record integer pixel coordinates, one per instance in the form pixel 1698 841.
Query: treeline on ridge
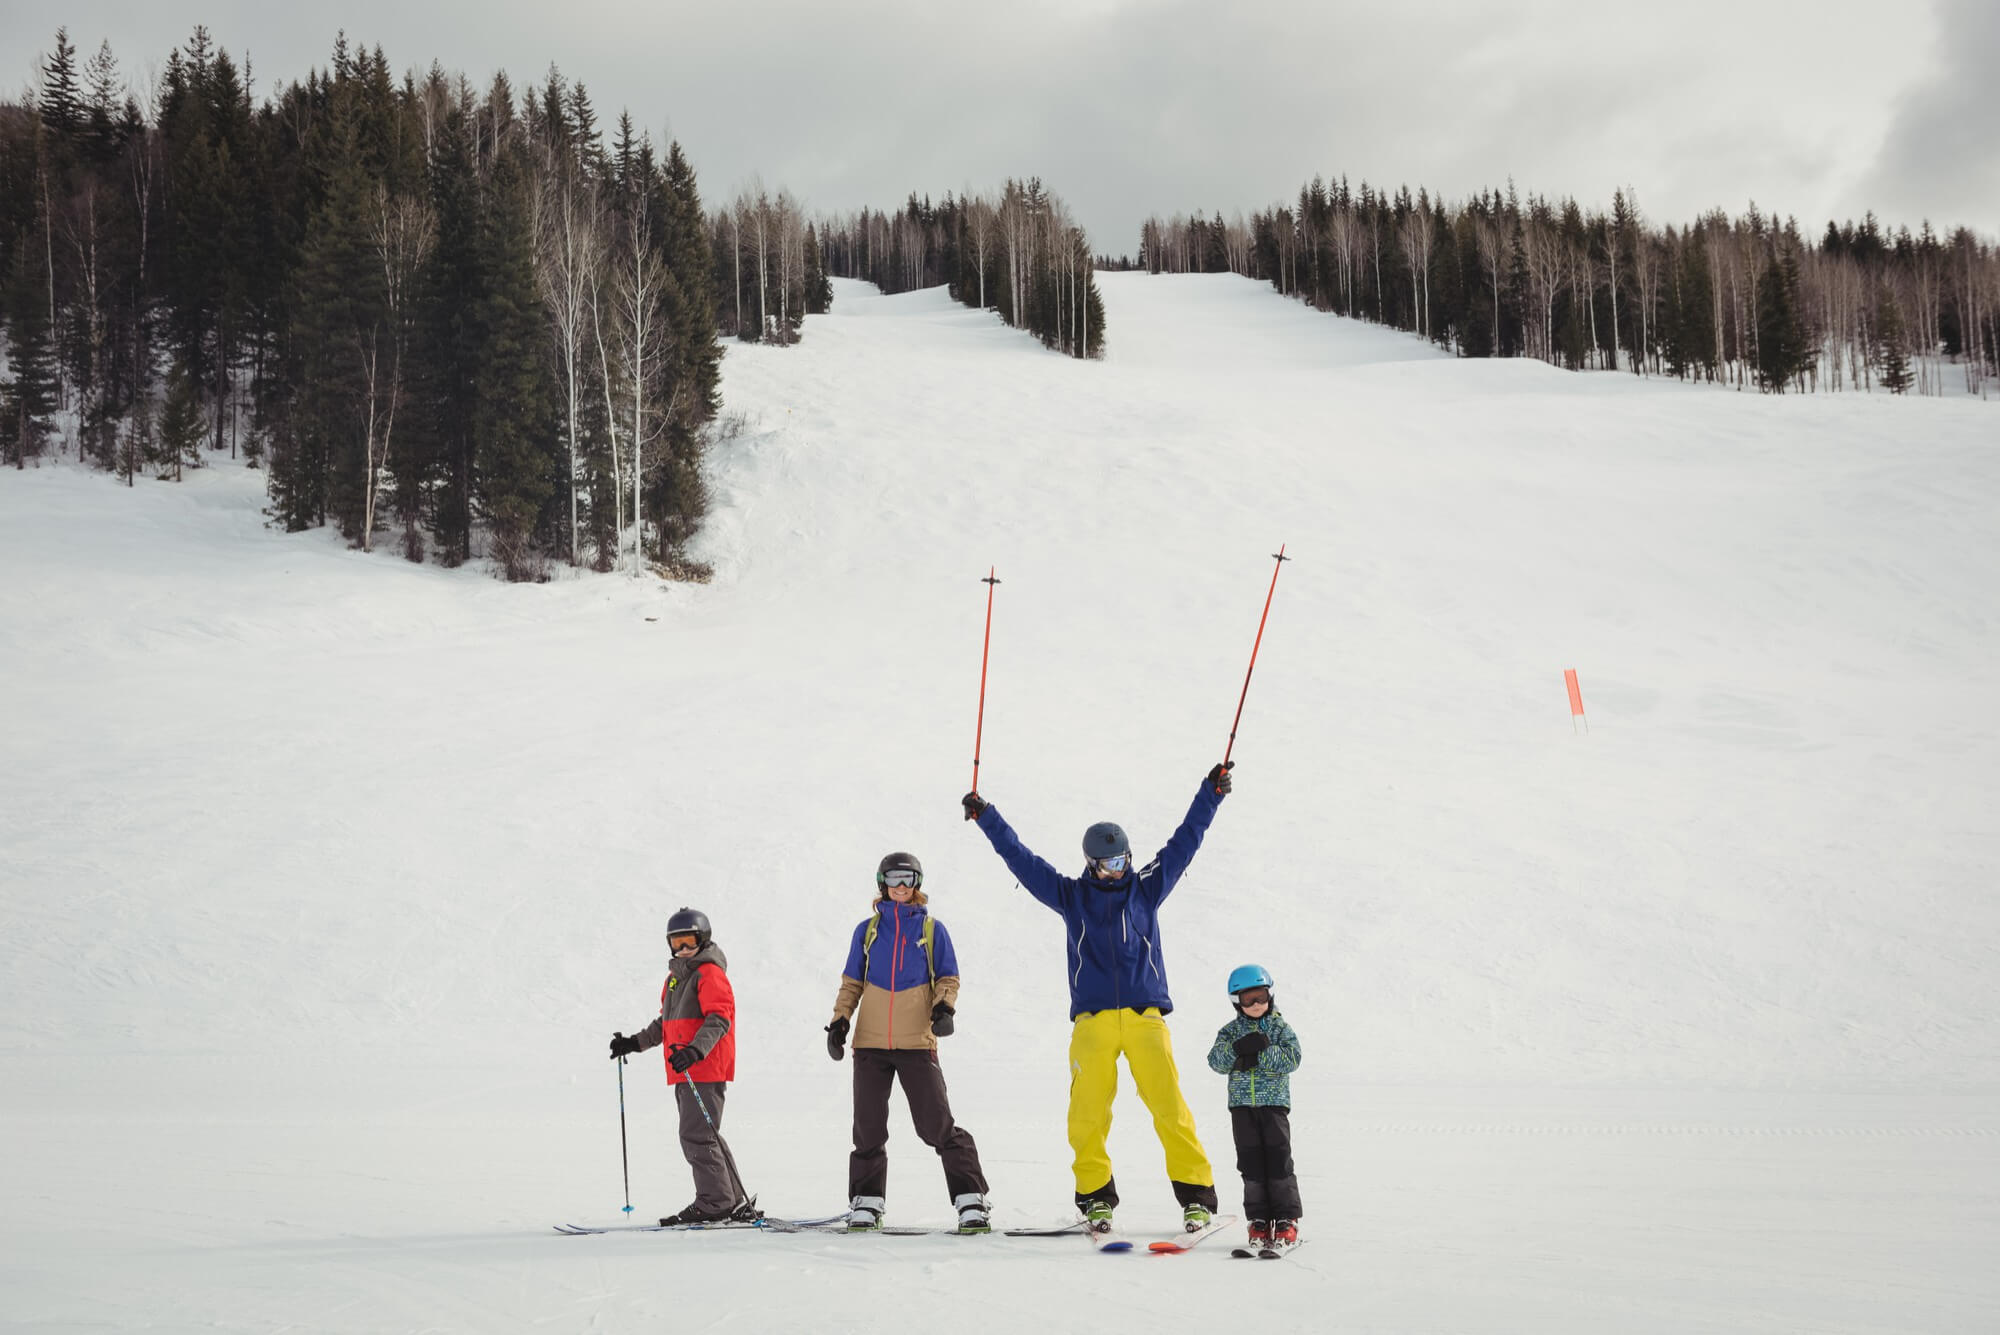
pixel 1019 253
pixel 1740 301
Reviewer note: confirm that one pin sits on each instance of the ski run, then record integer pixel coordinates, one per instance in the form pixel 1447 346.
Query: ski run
pixel 328 876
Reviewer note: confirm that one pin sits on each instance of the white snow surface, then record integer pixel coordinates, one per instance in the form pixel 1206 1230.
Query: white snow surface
pixel 326 877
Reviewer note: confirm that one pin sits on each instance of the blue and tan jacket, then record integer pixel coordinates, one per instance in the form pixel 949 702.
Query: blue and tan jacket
pixel 889 985
pixel 1115 958
pixel 1269 1084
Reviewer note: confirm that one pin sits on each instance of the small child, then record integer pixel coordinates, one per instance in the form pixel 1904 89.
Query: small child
pixel 1258 1052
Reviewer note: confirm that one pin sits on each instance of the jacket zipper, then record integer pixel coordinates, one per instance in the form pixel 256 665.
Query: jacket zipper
pixel 895 966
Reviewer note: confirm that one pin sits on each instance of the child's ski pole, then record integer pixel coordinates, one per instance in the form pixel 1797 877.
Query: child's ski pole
pixel 1281 558
pixel 728 1160
pixel 624 1156
pixel 979 734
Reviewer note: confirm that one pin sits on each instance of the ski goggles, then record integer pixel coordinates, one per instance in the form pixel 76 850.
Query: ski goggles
pixel 1258 996
pixel 1114 865
pixel 902 876
pixel 680 940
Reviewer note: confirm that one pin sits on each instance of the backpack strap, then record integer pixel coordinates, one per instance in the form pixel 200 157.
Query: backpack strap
pixel 874 929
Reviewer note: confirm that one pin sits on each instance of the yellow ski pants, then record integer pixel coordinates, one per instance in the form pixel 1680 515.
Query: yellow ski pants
pixel 1095 1042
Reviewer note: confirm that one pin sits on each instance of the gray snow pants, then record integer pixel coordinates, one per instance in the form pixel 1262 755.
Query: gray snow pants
pixel 715 1177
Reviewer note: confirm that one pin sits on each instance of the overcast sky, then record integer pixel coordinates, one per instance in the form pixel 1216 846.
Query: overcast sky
pixel 1129 107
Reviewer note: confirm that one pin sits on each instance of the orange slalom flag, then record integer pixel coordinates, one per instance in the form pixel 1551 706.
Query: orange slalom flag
pixel 1575 697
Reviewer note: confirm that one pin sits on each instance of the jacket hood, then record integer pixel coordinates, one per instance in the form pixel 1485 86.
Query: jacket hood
pixel 708 954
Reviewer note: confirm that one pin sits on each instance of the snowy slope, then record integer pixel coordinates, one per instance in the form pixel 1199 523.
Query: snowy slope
pixel 325 876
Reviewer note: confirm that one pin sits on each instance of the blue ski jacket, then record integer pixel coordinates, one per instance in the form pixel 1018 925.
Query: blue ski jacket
pixel 1115 959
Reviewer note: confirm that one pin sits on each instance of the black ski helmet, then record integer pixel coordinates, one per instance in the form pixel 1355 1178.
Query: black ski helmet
pixel 899 862
pixel 690 920
pixel 1105 840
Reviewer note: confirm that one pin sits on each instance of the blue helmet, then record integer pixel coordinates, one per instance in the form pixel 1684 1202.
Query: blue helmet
pixel 1247 976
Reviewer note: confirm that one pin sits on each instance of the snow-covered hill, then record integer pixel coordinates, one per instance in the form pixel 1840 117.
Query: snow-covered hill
pixel 326 877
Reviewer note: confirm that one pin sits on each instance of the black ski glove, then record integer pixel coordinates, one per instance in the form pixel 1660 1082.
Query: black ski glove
pixel 973 804
pixel 622 1046
pixel 1247 1048
pixel 836 1038
pixel 941 1022
pixel 1218 778
pixel 683 1057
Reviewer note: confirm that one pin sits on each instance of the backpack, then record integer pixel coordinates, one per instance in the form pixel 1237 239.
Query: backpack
pixel 868 945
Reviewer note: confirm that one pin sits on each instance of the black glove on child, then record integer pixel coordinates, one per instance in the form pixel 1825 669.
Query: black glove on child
pixel 973 804
pixel 683 1057
pixel 1247 1049
pixel 622 1046
pixel 1218 778
pixel 941 1022
pixel 836 1038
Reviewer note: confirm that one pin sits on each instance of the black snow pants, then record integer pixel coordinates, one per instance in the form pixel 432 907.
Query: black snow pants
pixel 875 1071
pixel 1264 1157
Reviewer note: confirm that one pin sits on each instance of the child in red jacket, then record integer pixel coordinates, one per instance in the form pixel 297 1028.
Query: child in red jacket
pixel 697 1023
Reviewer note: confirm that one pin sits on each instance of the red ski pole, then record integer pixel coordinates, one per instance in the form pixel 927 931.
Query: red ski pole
pixel 1281 558
pixel 979 734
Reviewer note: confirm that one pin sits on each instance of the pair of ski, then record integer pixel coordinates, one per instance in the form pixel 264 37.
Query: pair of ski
pixel 833 1223
pixel 1108 1239
pixel 1269 1252
pixel 709 1226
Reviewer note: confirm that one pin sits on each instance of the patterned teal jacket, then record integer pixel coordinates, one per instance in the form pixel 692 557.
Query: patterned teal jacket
pixel 1269 1085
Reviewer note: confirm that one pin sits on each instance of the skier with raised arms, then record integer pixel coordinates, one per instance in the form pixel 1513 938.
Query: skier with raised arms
pixel 1119 1002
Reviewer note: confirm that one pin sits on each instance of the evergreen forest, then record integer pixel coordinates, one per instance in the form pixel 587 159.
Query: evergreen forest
pixel 451 317
pixel 1748 301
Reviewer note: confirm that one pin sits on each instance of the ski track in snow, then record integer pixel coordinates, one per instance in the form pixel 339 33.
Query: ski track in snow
pixel 324 877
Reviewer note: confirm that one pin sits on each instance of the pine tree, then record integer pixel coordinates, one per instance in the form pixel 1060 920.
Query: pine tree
pixel 1891 339
pixel 178 442
pixel 1781 342
pixel 61 100
pixel 28 398
pixel 819 288
pixel 520 464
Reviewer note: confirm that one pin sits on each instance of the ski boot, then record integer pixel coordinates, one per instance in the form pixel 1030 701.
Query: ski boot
pixel 1097 1215
pixel 864 1215
pixel 1284 1235
pixel 1196 1217
pixel 746 1212
pixel 1260 1234
pixel 974 1213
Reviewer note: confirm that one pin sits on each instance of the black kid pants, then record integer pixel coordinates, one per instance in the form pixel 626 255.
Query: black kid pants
pixel 1264 1157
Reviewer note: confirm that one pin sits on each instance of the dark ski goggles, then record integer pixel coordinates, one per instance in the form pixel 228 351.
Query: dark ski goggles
pixel 679 939
pixel 902 876
pixel 1256 996
pixel 1114 865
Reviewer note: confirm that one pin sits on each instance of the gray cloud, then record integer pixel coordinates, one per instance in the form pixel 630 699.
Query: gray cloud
pixel 1941 156
pixel 1129 107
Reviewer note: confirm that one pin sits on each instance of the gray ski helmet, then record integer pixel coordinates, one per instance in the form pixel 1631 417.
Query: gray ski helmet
pixel 1105 840
pixel 899 862
pixel 690 920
